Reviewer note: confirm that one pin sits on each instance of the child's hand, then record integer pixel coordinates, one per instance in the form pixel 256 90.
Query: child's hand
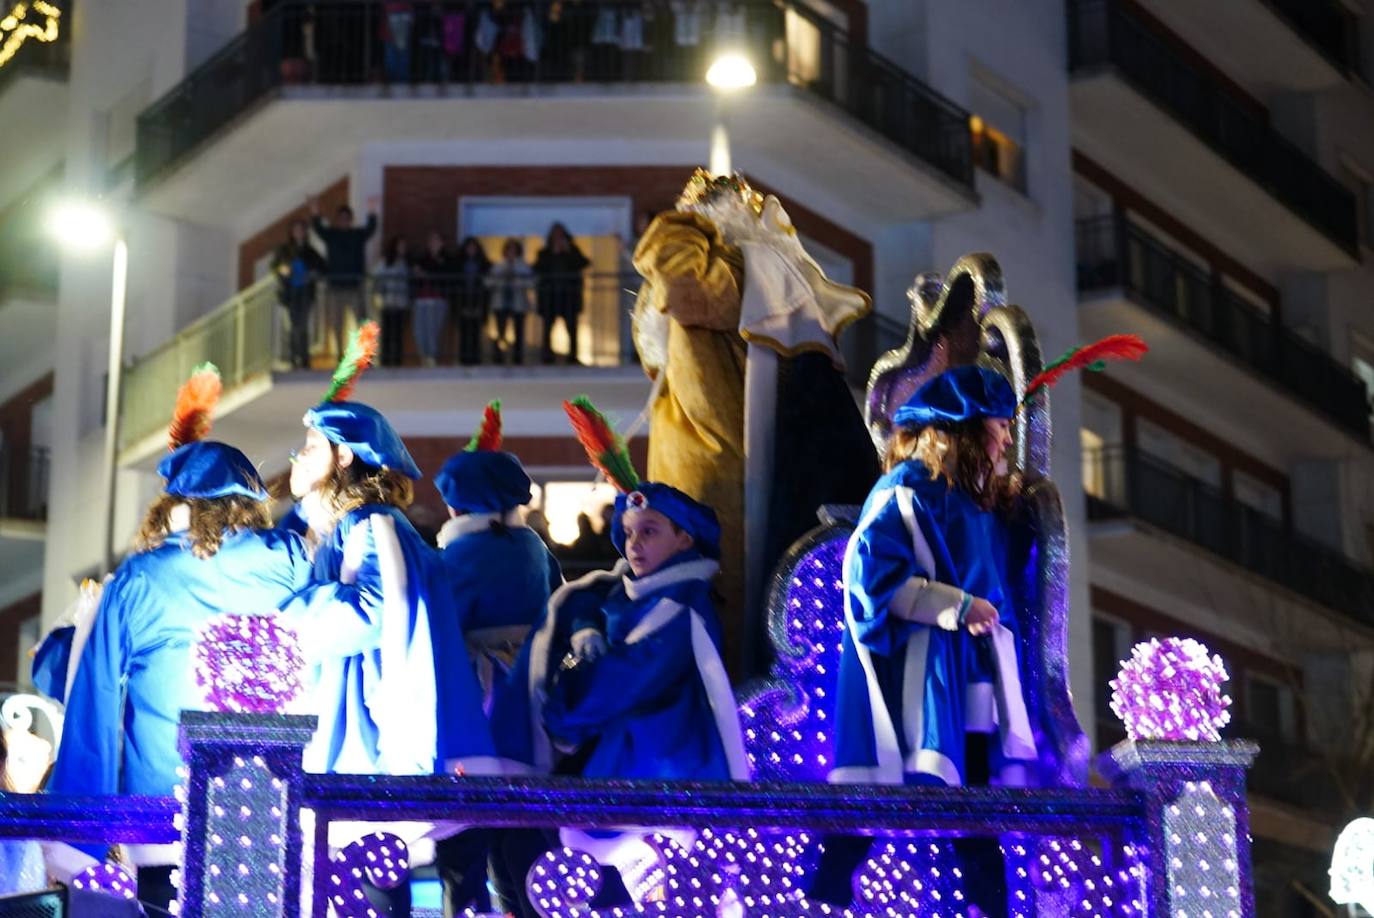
pixel 981 617
pixel 588 644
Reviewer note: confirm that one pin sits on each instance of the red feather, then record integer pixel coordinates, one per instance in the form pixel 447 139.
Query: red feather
pixel 605 448
pixel 1112 347
pixel 488 436
pixel 196 400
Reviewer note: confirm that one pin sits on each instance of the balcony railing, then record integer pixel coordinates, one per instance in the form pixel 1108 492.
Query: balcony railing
pixel 1326 25
pixel 425 321
pixel 24 483
pixel 1114 253
pixel 349 43
pixel 1129 482
pixel 1104 33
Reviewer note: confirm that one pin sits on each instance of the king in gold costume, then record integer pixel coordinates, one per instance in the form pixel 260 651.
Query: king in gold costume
pixel 738 326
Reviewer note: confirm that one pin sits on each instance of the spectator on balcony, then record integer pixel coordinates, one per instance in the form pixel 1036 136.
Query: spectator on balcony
pixel 398 21
pixel 512 286
pixel 391 284
pixel 297 266
pixel 558 268
pixel 433 273
pixel 471 299
pixel 345 265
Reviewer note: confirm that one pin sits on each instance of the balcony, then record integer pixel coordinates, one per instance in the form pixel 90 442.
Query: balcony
pixel 826 114
pixel 1145 112
pixel 1127 278
pixel 248 339
pixel 1134 486
pixel 1270 46
pixel 23 509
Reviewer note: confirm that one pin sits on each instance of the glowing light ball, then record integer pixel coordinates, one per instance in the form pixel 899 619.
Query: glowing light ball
pixel 248 664
pixel 1171 690
pixel 106 879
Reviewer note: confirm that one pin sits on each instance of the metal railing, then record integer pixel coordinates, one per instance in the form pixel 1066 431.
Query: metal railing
pixel 469 43
pixel 24 483
pixel 1132 482
pixel 1114 253
pixel 1326 25
pixel 1105 33
pixel 425 321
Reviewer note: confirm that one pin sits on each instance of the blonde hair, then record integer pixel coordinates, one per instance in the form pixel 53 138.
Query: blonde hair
pixel 958 455
pixel 211 518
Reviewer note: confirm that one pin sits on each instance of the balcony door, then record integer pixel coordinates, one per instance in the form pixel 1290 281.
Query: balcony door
pixel 601 228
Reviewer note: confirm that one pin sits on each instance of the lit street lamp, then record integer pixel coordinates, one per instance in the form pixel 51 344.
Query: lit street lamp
pixel 85 226
pixel 730 72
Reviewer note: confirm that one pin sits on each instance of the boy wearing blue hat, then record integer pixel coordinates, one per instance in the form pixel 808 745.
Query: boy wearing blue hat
pixel 206 548
pixel 624 675
pixel 377 618
pixel 499 571
pixel 930 649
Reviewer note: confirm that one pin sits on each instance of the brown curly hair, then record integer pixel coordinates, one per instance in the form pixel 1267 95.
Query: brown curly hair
pixel 958 454
pixel 210 520
pixel 358 484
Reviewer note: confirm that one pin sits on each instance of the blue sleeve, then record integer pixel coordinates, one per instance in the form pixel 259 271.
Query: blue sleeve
pixel 584 700
pixel 50 662
pixel 336 619
pixel 88 758
pixel 555 572
pixel 880 563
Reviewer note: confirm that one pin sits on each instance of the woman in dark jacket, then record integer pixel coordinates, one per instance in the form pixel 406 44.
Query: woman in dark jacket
pixel 297 266
pixel 471 297
pixel 559 268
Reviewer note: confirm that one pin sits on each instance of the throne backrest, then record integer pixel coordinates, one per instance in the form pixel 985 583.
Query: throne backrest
pixel 965 320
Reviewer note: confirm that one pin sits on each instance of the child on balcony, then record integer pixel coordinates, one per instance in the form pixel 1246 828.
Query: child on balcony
pixel 206 548
pixel 624 675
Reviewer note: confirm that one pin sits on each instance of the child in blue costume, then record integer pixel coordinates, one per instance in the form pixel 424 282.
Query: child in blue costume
pixel 930 650
pixel 624 675
pixel 500 574
pixel 499 571
pixel 205 549
pixel 378 620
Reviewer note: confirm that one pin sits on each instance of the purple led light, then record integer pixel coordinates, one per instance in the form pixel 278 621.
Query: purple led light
pixel 248 664
pixel 381 859
pixel 107 880
pixel 1171 690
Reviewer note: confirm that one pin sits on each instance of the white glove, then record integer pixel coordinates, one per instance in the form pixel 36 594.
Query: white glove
pixel 588 644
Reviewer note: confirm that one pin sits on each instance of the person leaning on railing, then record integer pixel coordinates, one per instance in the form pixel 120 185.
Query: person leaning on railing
pixel 559 268
pixel 391 287
pixel 297 266
pixel 512 286
pixel 345 264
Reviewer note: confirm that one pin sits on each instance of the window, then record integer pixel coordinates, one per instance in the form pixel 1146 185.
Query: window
pixel 1257 495
pixel 1362 364
pixel 1111 645
pixel 1193 461
pixel 998 126
pixel 1361 183
pixel 1269 710
pixel 1100 437
pixel 562 502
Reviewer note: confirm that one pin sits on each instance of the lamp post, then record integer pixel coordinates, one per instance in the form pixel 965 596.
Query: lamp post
pixel 85 226
pixel 730 72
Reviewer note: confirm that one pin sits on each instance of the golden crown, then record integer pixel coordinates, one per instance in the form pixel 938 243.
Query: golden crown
pixel 704 187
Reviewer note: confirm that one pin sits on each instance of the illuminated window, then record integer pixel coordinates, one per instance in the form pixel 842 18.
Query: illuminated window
pixel 998 126
pixel 562 502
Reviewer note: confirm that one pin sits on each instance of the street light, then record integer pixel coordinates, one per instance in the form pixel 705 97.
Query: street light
pixel 730 72
pixel 86 226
